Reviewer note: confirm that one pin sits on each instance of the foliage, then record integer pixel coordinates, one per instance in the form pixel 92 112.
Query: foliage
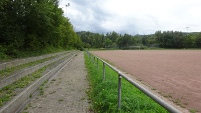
pixel 34 25
pixel 103 93
pixel 165 39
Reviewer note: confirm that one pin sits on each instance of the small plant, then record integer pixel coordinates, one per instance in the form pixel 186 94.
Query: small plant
pixel 60 100
pixel 41 88
pixel 30 96
pixel 82 98
pixel 8 71
pixel 53 79
pixel 193 111
pixel 52 92
pixel 7 92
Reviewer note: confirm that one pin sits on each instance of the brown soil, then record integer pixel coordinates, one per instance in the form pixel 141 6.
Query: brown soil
pixel 176 74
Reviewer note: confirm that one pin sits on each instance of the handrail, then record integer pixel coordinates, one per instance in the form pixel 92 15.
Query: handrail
pixel 161 102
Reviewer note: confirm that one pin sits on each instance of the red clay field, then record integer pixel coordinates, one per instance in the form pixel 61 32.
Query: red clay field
pixel 176 74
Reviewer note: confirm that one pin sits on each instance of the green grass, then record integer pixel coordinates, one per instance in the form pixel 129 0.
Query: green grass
pixel 193 111
pixel 8 71
pixel 41 88
pixel 103 93
pixel 9 91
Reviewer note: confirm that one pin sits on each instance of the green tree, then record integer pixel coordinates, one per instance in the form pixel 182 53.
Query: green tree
pixel 198 41
pixel 34 25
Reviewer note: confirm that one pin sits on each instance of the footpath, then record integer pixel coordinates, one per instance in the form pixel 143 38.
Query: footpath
pixel 66 91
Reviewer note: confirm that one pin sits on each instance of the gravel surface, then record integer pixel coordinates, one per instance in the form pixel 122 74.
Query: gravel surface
pixel 66 92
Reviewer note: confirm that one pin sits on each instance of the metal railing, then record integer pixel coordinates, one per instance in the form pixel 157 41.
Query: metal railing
pixel 161 102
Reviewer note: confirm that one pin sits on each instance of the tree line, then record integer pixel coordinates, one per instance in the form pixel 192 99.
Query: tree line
pixel 34 25
pixel 165 39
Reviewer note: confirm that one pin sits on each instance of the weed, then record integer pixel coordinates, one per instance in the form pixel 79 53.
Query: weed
pixel 168 96
pixel 30 96
pixel 52 92
pixel 41 88
pixel 8 71
pixel 7 92
pixel 82 98
pixel 60 100
pixel 193 111
pixel 53 79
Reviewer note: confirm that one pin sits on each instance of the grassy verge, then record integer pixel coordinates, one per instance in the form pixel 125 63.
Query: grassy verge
pixel 103 93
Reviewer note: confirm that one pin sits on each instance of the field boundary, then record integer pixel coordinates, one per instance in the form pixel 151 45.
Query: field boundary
pixel 96 59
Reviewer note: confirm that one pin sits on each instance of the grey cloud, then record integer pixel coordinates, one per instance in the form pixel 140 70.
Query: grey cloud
pixel 94 16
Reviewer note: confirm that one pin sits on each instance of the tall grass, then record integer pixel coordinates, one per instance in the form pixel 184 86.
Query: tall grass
pixel 103 93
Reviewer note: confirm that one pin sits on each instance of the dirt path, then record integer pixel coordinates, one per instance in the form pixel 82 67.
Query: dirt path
pixel 66 93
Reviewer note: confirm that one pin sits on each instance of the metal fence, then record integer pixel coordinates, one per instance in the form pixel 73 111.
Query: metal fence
pixel 161 102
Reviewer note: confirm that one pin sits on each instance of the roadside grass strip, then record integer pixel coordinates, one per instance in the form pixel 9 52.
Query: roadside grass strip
pixel 8 71
pixel 104 92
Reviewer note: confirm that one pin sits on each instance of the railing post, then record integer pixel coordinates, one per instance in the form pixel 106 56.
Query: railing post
pixel 119 91
pixel 94 59
pixel 103 71
pixel 97 64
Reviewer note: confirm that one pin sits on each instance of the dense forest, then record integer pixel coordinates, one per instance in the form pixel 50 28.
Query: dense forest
pixel 165 39
pixel 34 26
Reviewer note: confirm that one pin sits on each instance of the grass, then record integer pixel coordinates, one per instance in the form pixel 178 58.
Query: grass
pixel 8 71
pixel 9 91
pixel 193 111
pixel 103 93
pixel 41 88
pixel 61 99
pixel 29 53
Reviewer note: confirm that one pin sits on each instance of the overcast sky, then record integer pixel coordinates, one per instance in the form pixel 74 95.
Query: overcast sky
pixel 133 16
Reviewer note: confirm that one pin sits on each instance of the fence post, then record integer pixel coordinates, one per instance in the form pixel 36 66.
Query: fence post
pixel 97 64
pixel 119 91
pixel 94 61
pixel 103 71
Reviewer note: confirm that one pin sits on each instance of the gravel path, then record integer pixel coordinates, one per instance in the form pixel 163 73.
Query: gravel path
pixel 66 92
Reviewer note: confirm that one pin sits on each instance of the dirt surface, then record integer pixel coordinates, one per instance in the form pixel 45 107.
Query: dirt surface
pixel 175 74
pixel 65 93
